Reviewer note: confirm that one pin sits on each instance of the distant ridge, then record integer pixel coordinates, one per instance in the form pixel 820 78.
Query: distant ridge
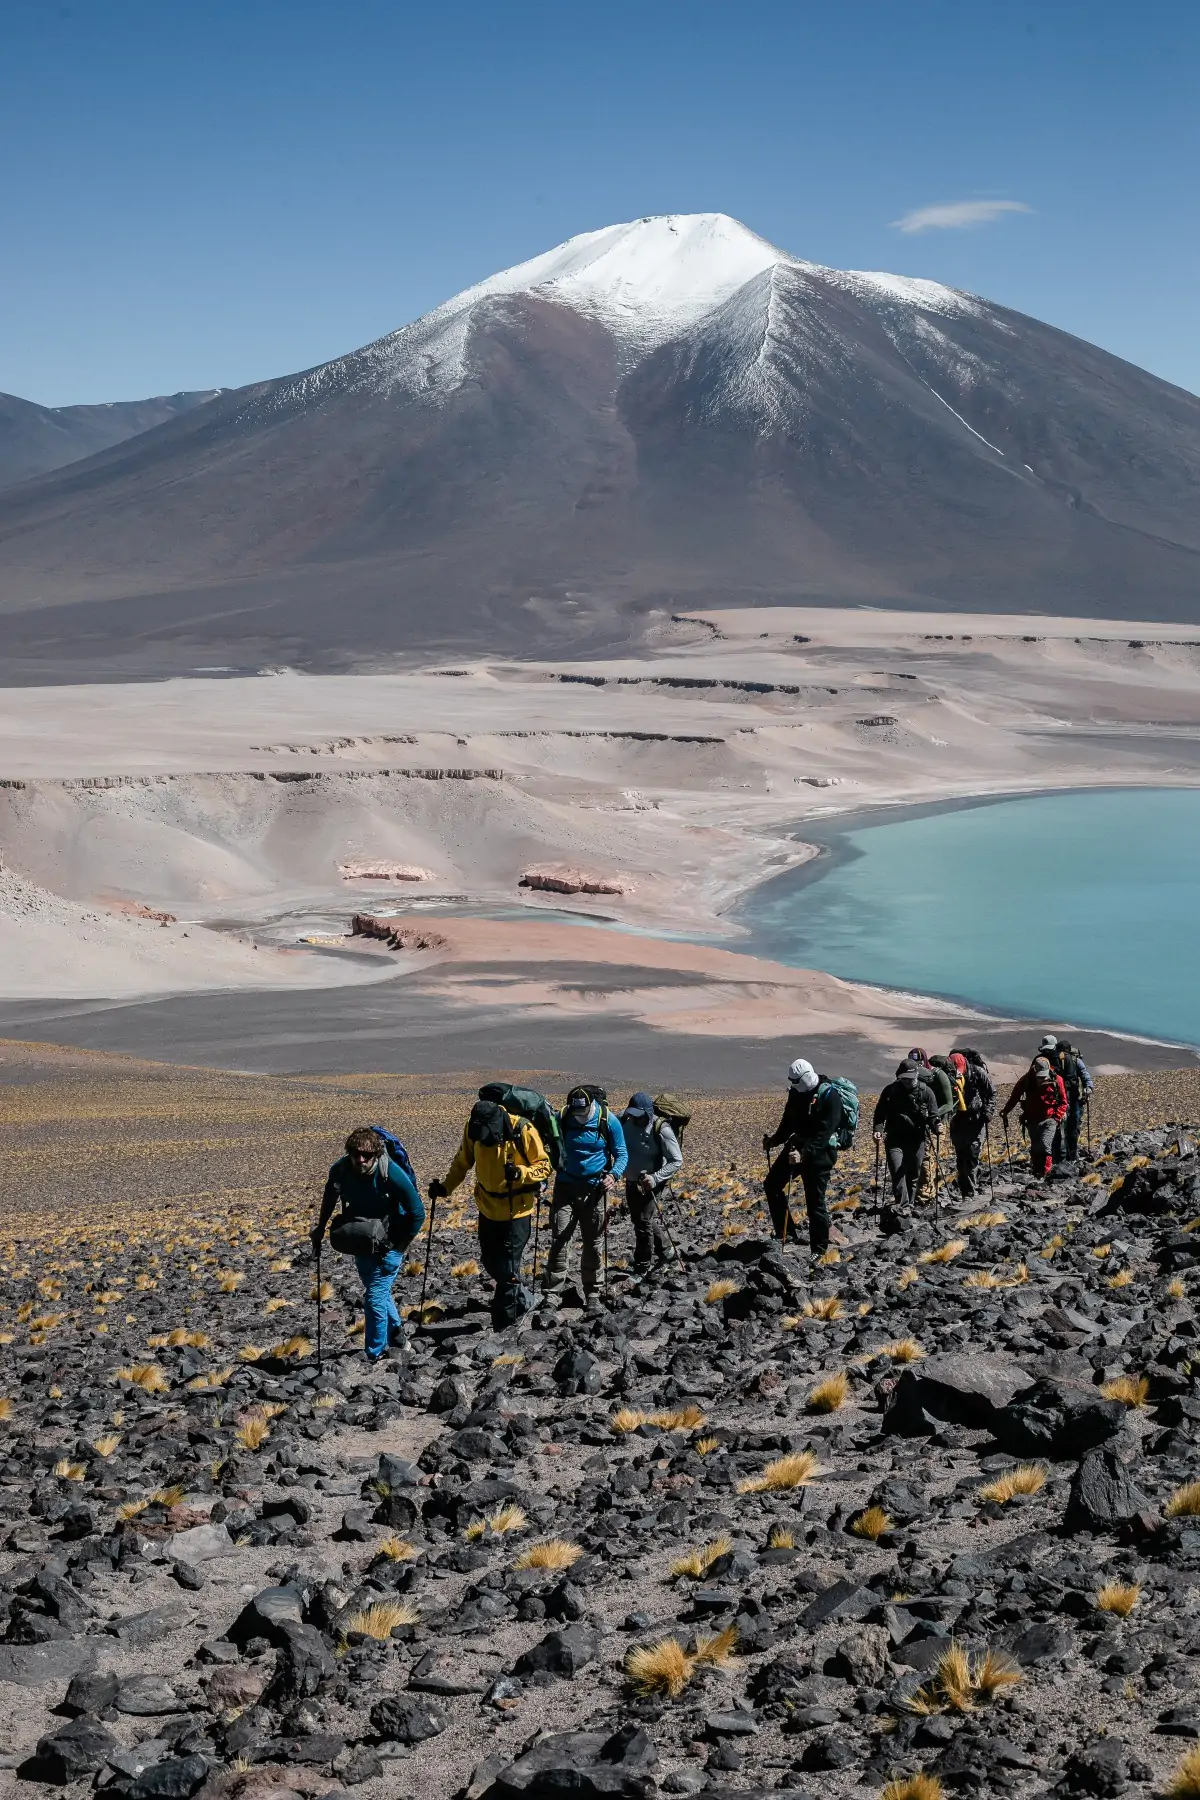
pixel 660 415
pixel 35 439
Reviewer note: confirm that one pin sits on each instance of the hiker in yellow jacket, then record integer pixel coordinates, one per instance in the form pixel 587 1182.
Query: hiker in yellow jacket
pixel 511 1166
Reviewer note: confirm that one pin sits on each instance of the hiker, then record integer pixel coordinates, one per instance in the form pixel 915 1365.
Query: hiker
pixel 511 1166
pixel 809 1134
pixel 381 1215
pixel 594 1159
pixel 1043 1101
pixel 655 1158
pixel 906 1116
pixel 1066 1061
pixel 975 1106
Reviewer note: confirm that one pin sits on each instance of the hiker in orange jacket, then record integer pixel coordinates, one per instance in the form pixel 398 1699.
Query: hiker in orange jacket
pixel 1043 1102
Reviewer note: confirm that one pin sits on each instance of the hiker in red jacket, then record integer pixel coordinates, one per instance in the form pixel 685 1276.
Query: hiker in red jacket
pixel 1043 1102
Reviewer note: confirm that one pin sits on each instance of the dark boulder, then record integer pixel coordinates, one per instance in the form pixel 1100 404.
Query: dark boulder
pixel 79 1748
pixel 953 1389
pixel 403 1719
pixel 1061 1420
pixel 583 1764
pixel 1103 1494
pixel 561 1653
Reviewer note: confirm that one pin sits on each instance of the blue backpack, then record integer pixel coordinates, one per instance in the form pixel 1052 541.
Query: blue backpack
pixel 398 1154
pixel 847 1093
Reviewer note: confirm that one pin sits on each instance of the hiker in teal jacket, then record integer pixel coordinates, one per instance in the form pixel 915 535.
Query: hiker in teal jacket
pixel 593 1161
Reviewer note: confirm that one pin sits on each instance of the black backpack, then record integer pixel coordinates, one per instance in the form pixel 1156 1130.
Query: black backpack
pixel 979 1090
pixel 905 1109
pixel 1066 1063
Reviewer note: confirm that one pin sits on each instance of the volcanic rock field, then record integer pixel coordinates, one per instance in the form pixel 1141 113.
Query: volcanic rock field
pixel 927 1513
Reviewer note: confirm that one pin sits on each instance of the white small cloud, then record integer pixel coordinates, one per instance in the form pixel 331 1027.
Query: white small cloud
pixel 958 215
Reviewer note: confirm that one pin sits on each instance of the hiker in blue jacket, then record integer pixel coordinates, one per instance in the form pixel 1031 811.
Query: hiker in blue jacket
pixel 593 1161
pixel 370 1185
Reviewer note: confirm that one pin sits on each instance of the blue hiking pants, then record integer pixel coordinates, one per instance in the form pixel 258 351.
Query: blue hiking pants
pixel 377 1274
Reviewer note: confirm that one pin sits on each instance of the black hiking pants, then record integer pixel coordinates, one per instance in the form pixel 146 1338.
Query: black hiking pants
pixel 501 1247
pixel 967 1135
pixel 906 1165
pixel 815 1168
pixel 1066 1138
pixel 650 1242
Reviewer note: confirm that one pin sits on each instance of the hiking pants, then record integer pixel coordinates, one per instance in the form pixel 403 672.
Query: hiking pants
pixel 1066 1138
pixel 906 1165
pixel 377 1273
pixel 501 1246
pixel 650 1241
pixel 815 1169
pixel 967 1135
pixel 1042 1133
pixel 575 1206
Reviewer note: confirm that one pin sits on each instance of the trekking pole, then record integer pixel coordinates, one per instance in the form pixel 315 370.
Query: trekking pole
pixel 320 1297
pixel 604 1238
pixel 875 1183
pixel 1087 1103
pixel 987 1131
pixel 1007 1145
pixel 433 1200
pixel 937 1179
pixel 537 1228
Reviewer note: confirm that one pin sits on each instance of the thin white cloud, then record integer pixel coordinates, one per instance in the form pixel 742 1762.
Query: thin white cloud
pixel 958 215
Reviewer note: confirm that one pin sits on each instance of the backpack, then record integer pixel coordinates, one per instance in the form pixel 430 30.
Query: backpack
pixel 906 1109
pixel 396 1152
pixel 979 1090
pixel 847 1093
pixel 527 1103
pixel 1066 1064
pixel 669 1108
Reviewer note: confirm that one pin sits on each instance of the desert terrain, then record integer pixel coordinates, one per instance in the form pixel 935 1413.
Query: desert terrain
pixel 182 860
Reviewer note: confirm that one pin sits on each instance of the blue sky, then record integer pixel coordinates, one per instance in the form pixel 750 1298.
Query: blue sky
pixel 199 193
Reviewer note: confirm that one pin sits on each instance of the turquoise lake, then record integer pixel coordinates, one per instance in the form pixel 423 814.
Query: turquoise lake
pixel 1081 907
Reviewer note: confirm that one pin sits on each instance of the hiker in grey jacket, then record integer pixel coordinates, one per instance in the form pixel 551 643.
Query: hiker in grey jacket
pixel 655 1159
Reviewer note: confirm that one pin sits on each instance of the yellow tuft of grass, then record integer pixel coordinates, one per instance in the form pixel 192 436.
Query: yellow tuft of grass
pixel 904 1350
pixel 252 1431
pixel 959 1681
pixel 993 1673
pixel 696 1564
pixel 7 1407
pixel 251 1353
pixel 626 1419
pixel 1101 1251
pixel 1026 1478
pixel 1119 1597
pixel 66 1470
pixel 1177 1288
pixel 1122 1278
pixel 781 1538
pixel 871 1523
pixel 828 1309
pixel 907 1277
pixel 945 1252
pixel 509 1517
pixel 147 1376
pixel 683 1418
pixel 293 1349
pixel 719 1290
pixel 985 1221
pixel 830 1394
pixel 551 1553
pixel 1184 1502
pixel 1183 1783
pixel 508 1359
pixel 131 1508
pixel 207 1384
pixel 397 1549
pixel 914 1787
pixel 662 1668
pixel 706 1445
pixel 181 1338
pixel 379 1620
pixel 276 1304
pixel 1130 1390
pixel 229 1280
pixel 717 1650
pixel 464 1270
pixel 793 1471
pixel 105 1445
pixel 983 1278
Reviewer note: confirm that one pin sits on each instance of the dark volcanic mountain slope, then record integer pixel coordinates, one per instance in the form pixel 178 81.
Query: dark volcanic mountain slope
pixel 665 414
pixel 35 439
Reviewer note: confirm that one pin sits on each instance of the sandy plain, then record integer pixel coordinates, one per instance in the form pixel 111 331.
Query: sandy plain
pixel 684 774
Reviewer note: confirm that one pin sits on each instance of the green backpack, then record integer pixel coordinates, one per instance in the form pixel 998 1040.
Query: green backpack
pixel 527 1103
pixel 847 1093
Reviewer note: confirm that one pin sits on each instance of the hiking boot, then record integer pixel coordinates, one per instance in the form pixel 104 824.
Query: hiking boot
pixel 550 1302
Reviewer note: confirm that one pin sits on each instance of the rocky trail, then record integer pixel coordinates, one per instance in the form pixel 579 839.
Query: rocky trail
pixel 923 1514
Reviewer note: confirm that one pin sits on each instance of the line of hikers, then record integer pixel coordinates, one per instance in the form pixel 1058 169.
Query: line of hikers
pixel 514 1142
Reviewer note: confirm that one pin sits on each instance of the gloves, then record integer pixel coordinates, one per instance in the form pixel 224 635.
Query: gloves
pixel 315 1238
pixel 436 1190
pixel 766 1141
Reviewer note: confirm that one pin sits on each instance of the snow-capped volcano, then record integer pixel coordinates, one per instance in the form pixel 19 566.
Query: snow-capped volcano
pixel 661 413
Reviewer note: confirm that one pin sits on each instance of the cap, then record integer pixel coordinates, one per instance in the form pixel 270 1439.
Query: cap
pixel 802 1076
pixel 1048 1043
pixel 641 1103
pixel 1041 1068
